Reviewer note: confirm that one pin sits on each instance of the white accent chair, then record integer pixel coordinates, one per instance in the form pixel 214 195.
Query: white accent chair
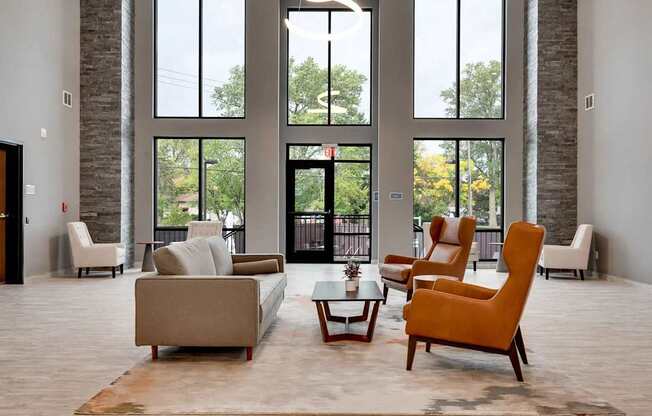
pixel 574 257
pixel 87 255
pixel 204 229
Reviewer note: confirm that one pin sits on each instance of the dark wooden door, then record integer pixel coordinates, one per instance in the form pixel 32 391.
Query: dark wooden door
pixel 3 216
pixel 310 205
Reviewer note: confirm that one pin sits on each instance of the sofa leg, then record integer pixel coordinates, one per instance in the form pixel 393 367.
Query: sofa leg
pixel 428 344
pixel 250 353
pixel 409 295
pixel 122 269
pixel 412 347
pixel 547 274
pixel 113 272
pixel 513 357
pixel 154 352
pixel 385 293
pixel 582 274
pixel 79 272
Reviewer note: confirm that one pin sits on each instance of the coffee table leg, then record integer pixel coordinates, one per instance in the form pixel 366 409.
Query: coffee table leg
pixel 372 322
pixel 322 321
pixel 148 262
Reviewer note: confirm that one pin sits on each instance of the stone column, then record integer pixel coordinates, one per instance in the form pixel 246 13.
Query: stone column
pixel 107 120
pixel 550 156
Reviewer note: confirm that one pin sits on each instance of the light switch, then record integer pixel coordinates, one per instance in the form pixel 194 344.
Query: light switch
pixel 30 189
pixel 44 133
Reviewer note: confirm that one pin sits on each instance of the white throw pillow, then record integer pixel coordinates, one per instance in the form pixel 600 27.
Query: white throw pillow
pixel 221 256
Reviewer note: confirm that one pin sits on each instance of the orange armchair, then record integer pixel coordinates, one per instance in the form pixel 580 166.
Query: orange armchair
pixel 451 243
pixel 469 316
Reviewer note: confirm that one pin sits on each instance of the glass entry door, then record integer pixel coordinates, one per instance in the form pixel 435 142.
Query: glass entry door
pixel 310 206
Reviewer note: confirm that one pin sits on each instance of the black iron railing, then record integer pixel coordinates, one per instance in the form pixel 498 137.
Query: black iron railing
pixel 234 237
pixel 483 236
pixel 351 235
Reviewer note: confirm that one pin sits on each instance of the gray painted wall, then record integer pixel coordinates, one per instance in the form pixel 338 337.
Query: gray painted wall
pixel 39 57
pixel 615 146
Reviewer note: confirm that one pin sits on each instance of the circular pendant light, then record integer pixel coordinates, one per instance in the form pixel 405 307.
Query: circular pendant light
pixel 330 36
pixel 324 105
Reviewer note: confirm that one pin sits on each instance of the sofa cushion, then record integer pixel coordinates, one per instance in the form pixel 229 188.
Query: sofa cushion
pixel 221 256
pixel 256 267
pixel 395 272
pixel 272 289
pixel 189 258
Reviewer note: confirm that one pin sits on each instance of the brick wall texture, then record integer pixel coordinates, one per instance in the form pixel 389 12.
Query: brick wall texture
pixel 550 130
pixel 107 120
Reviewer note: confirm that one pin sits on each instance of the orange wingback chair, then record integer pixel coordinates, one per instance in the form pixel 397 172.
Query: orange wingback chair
pixel 451 243
pixel 468 316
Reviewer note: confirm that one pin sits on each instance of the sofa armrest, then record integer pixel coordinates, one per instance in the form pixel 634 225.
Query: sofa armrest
pixel 245 258
pixel 200 311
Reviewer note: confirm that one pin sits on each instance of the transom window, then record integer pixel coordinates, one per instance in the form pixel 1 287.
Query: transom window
pixel 329 83
pixel 200 58
pixel 458 59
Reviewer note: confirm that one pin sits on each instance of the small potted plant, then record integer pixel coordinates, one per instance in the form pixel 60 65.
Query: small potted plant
pixel 352 273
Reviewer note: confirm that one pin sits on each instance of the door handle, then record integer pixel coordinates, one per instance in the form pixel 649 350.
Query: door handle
pixel 3 216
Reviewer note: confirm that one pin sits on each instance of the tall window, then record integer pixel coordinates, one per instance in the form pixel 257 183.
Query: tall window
pixel 458 59
pixel 329 83
pixel 200 58
pixel 200 179
pixel 459 177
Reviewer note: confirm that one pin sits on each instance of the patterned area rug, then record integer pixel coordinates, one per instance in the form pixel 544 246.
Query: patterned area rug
pixel 294 373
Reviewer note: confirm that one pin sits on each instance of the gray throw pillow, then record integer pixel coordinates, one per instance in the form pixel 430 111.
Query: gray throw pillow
pixel 190 258
pixel 221 256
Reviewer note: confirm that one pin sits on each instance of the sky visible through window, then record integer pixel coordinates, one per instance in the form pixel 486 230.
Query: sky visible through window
pixel 436 52
pixel 178 56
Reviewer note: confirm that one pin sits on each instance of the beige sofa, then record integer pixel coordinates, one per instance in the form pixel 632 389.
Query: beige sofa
pixel 205 297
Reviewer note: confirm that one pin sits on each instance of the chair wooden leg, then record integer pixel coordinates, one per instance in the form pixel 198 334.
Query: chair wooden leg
pixel 113 272
pixel 520 345
pixel 582 274
pixel 88 270
pixel 475 266
pixel 385 293
pixel 154 352
pixel 122 269
pixel 428 344
pixel 513 357
pixel 79 272
pixel 575 273
pixel 412 347
pixel 409 295
pixel 547 274
pixel 250 353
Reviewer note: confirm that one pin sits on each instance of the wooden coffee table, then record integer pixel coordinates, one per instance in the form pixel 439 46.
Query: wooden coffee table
pixel 326 292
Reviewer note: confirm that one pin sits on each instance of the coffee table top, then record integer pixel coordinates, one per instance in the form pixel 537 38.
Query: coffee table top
pixel 336 292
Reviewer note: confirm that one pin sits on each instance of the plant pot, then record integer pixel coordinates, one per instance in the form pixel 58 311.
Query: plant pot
pixel 351 285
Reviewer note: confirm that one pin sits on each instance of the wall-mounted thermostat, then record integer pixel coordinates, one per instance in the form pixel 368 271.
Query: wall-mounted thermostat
pixel 396 196
pixel 30 189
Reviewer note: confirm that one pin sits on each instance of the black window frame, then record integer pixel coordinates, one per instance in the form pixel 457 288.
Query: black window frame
pixel 200 74
pixel 333 160
pixel 200 184
pixel 371 66
pixel 458 66
pixel 458 178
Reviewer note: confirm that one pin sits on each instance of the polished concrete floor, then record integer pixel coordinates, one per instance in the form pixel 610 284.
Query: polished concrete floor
pixel 64 339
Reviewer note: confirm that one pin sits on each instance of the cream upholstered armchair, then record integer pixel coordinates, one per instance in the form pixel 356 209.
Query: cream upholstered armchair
pixel 87 255
pixel 574 257
pixel 198 229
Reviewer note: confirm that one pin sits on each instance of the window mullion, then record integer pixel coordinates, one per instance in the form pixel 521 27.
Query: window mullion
pixel 459 69
pixel 458 179
pixel 201 175
pixel 201 58
pixel 330 45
